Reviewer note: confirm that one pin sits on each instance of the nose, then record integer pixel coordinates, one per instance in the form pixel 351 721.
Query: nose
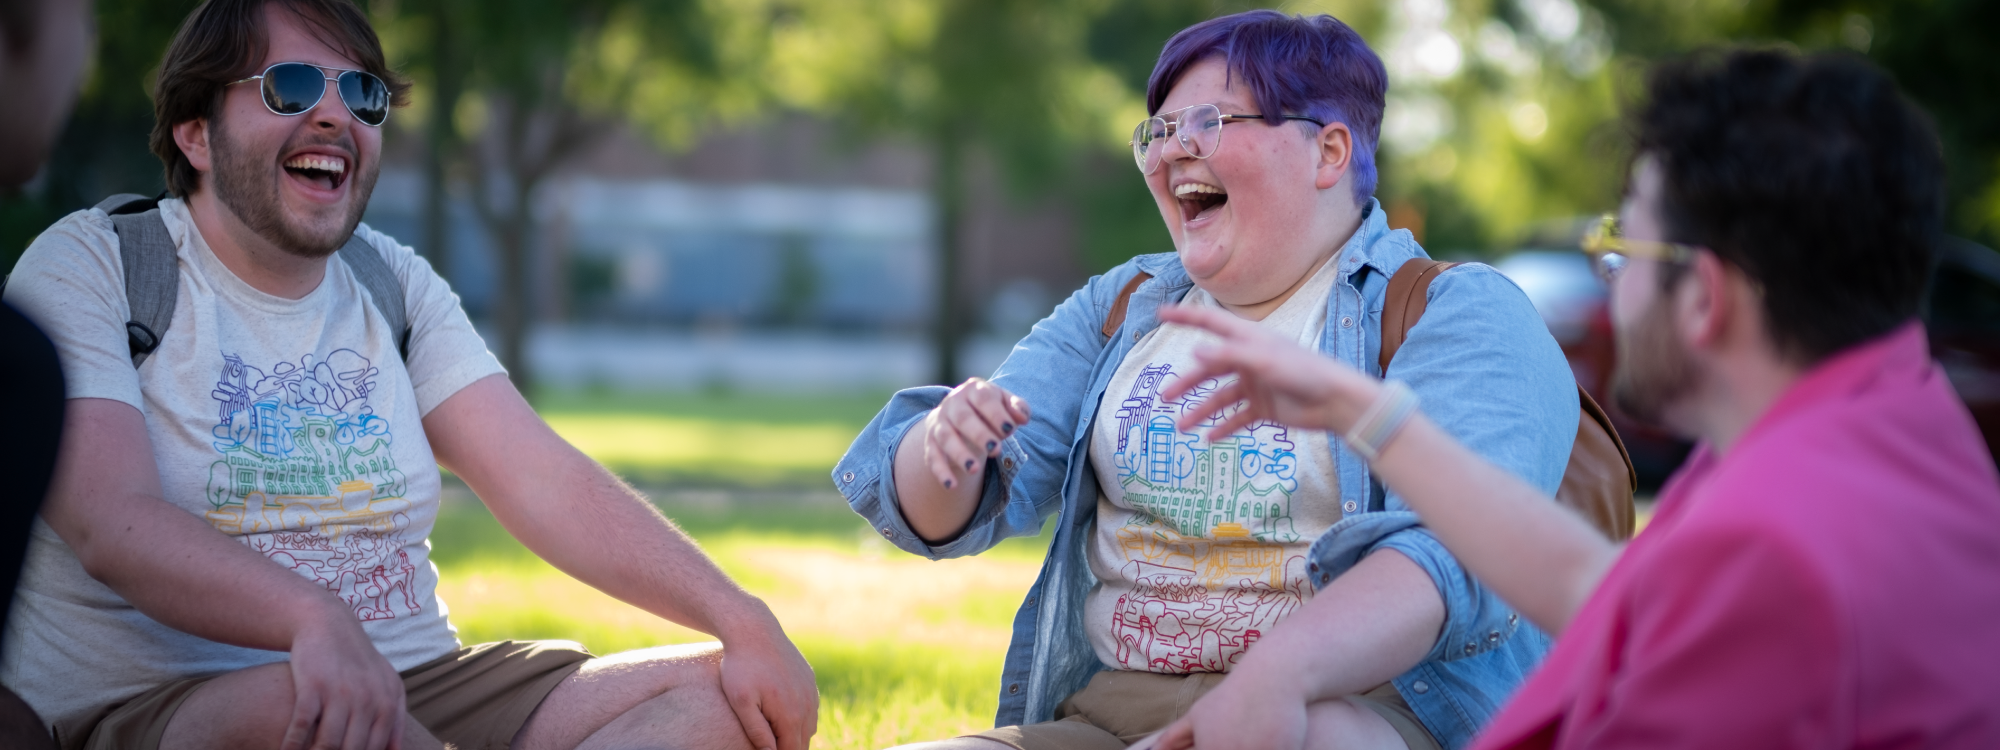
pixel 331 113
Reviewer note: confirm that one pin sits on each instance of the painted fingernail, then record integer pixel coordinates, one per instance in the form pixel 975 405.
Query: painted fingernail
pixel 947 484
pixel 968 464
pixel 990 445
pixel 1006 428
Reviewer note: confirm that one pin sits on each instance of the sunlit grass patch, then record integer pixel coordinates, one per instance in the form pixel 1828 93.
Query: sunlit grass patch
pixel 905 649
pixel 712 438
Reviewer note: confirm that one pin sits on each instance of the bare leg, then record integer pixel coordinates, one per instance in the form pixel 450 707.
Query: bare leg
pixel 658 698
pixel 249 709
pixel 1343 724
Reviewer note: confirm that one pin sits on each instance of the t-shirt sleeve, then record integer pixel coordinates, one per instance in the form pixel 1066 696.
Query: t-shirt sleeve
pixel 1734 642
pixel 446 353
pixel 71 283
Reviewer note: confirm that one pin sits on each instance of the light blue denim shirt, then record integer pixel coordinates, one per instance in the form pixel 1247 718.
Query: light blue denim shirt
pixel 1481 361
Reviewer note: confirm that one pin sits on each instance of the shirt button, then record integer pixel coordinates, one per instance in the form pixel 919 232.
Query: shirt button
pixel 848 477
pixel 885 531
pixel 1324 579
pixel 1314 567
pixel 1013 688
pixel 1493 637
pixel 1470 648
pixel 1346 322
pixel 1350 506
pixel 1029 603
pixel 1513 617
pixel 1420 687
pixel 1007 463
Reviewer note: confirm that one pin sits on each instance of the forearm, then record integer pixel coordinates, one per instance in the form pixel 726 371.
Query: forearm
pixel 589 524
pixel 1372 623
pixel 1542 559
pixel 935 512
pixel 164 561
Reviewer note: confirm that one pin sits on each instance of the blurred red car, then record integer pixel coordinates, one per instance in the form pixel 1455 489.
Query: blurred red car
pixel 1962 313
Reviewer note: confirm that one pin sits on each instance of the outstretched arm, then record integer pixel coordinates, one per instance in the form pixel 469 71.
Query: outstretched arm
pixel 578 516
pixel 1541 558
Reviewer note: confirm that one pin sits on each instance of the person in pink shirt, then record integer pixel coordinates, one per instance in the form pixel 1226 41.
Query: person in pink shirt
pixel 1824 572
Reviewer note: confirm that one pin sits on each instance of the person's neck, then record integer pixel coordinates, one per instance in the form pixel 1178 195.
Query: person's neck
pixel 1345 228
pixel 254 259
pixel 1741 386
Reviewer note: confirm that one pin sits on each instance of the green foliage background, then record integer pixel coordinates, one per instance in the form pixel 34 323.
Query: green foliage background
pixel 1049 88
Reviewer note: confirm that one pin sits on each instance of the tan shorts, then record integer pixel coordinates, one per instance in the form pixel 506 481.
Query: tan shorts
pixel 1119 708
pixel 475 698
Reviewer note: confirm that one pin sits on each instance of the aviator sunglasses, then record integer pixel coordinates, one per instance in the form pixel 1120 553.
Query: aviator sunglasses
pixel 292 88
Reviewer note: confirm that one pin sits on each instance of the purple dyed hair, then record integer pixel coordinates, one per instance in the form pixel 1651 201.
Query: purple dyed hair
pixel 1314 66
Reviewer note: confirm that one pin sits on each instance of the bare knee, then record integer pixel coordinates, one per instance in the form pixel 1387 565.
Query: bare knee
pixel 635 696
pixel 1344 724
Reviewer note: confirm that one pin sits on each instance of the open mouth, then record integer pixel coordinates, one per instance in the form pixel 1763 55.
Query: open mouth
pixel 1198 200
pixel 319 170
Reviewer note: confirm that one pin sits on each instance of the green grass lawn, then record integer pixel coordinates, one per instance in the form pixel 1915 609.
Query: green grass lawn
pixel 904 649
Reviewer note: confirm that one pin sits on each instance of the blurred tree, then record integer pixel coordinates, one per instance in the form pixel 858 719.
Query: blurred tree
pixel 1008 80
pixel 522 86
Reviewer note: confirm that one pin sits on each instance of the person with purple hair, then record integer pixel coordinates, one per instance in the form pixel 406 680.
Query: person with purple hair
pixel 1261 582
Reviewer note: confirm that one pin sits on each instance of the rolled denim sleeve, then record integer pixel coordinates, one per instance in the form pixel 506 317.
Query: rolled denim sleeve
pixel 1051 369
pixel 1486 371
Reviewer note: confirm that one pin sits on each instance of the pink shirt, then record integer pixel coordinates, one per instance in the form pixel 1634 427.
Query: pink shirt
pixel 1833 582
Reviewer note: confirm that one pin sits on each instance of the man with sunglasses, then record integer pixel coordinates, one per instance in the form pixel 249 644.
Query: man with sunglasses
pixel 1821 573
pixel 1187 574
pixel 235 551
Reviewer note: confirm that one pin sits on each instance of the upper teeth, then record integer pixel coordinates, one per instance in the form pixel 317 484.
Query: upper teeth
pixel 322 163
pixel 1195 187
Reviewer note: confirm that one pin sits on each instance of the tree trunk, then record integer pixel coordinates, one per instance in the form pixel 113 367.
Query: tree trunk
pixel 514 307
pixel 949 191
pixel 440 135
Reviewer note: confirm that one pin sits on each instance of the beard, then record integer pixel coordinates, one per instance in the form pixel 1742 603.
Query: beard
pixel 1654 370
pixel 250 186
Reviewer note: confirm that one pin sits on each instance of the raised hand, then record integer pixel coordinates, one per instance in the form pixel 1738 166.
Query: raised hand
pixel 967 427
pixel 1276 379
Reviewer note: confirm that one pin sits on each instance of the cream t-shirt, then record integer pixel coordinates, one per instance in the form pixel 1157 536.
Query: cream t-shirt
pixel 293 426
pixel 1201 547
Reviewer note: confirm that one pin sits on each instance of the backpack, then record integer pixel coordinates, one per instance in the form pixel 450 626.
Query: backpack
pixel 152 275
pixel 1599 481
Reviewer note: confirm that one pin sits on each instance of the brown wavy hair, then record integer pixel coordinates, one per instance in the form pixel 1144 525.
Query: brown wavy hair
pixel 222 41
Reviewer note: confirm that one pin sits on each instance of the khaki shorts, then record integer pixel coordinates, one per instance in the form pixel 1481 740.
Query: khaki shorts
pixel 474 698
pixel 1119 708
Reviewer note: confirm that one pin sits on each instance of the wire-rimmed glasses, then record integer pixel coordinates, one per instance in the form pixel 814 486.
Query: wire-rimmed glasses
pixel 1609 249
pixel 1197 128
pixel 292 88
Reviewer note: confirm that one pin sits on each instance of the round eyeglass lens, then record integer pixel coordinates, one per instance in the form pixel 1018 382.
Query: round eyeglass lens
pixel 1200 130
pixel 291 88
pixel 1609 265
pixel 366 96
pixel 1145 143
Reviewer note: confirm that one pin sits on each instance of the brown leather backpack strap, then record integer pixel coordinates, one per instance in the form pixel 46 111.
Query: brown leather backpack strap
pixel 1116 317
pixel 1403 305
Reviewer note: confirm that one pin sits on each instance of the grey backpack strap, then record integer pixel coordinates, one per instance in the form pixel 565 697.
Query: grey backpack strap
pixel 152 278
pixel 375 275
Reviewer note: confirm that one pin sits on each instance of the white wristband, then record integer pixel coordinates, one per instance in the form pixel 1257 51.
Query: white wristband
pixel 1391 410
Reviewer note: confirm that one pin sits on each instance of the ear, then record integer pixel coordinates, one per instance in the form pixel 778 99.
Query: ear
pixel 1336 152
pixel 1704 302
pixel 192 137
